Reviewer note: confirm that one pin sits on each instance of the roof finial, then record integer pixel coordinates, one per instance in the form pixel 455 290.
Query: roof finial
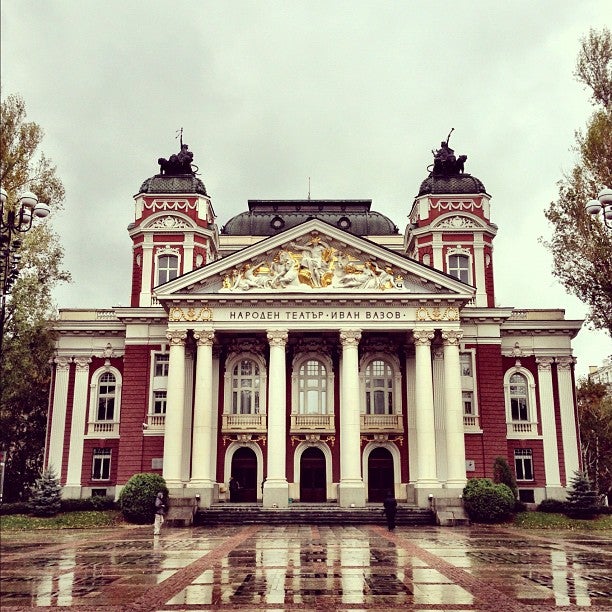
pixel 179 132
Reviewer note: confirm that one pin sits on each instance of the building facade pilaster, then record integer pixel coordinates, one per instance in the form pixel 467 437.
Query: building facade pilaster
pixel 58 424
pixel 569 425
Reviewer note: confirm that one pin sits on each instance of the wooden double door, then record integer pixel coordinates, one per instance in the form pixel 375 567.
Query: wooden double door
pixel 313 478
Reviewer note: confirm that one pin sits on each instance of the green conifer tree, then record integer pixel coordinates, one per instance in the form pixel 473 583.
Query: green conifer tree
pixel 502 474
pixel 582 499
pixel 46 495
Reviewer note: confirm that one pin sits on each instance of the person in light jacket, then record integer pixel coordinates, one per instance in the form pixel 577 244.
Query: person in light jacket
pixel 160 508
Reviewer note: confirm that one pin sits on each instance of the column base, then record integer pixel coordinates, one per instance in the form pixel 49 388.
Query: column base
pixel 71 491
pixel 276 494
pixel 351 494
pixel 206 491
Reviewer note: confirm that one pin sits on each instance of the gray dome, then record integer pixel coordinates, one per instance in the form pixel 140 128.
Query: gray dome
pixel 181 183
pixel 271 217
pixel 453 183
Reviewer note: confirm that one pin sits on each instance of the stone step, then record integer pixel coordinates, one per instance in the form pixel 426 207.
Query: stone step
pixel 308 514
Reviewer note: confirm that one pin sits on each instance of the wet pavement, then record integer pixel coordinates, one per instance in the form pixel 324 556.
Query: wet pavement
pixel 306 567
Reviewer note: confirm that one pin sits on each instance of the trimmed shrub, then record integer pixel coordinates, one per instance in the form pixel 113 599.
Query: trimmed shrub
pixel 46 496
pixel 487 502
pixel 582 500
pixel 551 505
pixel 98 502
pixel 502 474
pixel 15 508
pixel 137 498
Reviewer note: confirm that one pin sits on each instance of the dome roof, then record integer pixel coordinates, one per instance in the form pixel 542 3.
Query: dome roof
pixel 452 183
pixel 271 217
pixel 178 183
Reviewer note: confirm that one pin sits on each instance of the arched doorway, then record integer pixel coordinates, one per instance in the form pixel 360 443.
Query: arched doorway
pixel 244 470
pixel 313 483
pixel 380 474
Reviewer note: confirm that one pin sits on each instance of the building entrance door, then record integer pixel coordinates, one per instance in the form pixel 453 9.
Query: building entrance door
pixel 244 470
pixel 313 482
pixel 380 474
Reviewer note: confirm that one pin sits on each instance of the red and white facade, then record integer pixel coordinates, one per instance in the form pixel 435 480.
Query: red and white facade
pixel 311 363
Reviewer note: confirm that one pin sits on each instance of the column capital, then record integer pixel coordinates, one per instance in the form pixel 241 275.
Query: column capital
pixel 422 337
pixel 62 362
pixel 544 363
pixel 277 337
pixel 438 353
pixel 350 337
pixel 177 337
pixel 452 336
pixel 204 337
pixel 565 363
pixel 82 363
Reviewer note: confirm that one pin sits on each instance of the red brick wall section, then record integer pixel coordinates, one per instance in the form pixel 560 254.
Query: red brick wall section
pixel 86 472
pixel 134 406
pixel 474 450
pixel 153 448
pixel 537 449
pixel 68 426
pixel 490 380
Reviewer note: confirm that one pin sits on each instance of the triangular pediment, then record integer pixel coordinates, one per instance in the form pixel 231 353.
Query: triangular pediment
pixel 314 258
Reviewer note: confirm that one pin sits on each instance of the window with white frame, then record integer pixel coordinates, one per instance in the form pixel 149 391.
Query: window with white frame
pixel 523 463
pixel 245 387
pixel 312 387
pixel 101 464
pixel 519 397
pixel 379 387
pixel 107 389
pixel 459 267
pixel 167 268
pixel 159 402
pixel 465 360
pixel 162 361
pixel 468 403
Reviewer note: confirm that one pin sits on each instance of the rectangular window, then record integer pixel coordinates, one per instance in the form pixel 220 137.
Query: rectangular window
pixel 468 402
pixel 106 408
pixel 523 463
pixel 518 406
pixel 161 364
pixel 466 364
pixel 101 464
pixel 159 402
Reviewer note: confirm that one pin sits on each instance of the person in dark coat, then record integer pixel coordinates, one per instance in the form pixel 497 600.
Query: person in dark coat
pixel 390 510
pixel 234 487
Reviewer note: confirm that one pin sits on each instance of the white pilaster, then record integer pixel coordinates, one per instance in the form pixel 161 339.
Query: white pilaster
pixel 351 491
pixel 146 271
pixel 72 488
pixel 439 411
pixel 201 468
pixel 58 417
pixel 455 440
pixel 549 427
pixel 568 416
pixel 426 437
pixel 276 488
pixel 479 268
pixel 175 408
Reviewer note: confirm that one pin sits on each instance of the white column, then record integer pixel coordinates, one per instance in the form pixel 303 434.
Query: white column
pixel 175 408
pixel 568 416
pixel 413 466
pixel 58 416
pixel 549 427
pixel 455 438
pixel 439 412
pixel 201 469
pixel 351 491
pixel 426 436
pixel 276 488
pixel 72 488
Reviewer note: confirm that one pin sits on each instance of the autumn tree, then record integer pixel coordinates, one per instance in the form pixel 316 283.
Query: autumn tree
pixel 581 245
pixel 27 335
pixel 595 416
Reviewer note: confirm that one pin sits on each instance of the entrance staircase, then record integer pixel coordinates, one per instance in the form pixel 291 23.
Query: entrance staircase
pixel 308 514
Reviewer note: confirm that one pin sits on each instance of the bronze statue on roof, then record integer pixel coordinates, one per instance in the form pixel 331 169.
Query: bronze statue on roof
pixel 445 161
pixel 179 163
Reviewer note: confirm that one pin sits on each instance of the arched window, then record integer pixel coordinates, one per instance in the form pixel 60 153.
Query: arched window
pixel 519 398
pixel 167 268
pixel 459 267
pixel 245 387
pixel 107 388
pixel 312 387
pixel 379 387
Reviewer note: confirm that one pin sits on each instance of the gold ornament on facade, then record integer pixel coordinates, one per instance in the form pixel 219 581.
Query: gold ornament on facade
pixel 437 314
pixel 176 313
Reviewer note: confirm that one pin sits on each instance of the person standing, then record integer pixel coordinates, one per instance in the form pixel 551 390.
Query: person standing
pixel 390 510
pixel 234 487
pixel 160 508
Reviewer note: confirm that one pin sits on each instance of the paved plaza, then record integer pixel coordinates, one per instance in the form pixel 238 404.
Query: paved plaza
pixel 306 568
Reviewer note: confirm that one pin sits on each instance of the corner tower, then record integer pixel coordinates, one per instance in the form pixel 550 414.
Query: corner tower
pixel 450 227
pixel 174 228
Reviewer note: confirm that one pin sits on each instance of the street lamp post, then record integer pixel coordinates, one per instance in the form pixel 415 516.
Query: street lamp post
pixel 602 206
pixel 13 222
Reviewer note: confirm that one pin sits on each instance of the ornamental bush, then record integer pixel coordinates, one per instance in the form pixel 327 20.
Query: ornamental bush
pixel 46 497
pixel 502 474
pixel 551 505
pixel 137 498
pixel 487 502
pixel 582 499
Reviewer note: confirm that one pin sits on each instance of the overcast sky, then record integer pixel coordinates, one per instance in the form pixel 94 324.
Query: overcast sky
pixel 353 94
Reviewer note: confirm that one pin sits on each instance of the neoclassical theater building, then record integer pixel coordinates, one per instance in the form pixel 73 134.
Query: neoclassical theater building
pixel 314 352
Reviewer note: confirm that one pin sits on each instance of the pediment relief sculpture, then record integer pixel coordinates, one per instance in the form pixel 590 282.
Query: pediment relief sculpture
pixel 313 265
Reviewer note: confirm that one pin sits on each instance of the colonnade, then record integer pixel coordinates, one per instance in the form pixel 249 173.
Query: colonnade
pixel 351 490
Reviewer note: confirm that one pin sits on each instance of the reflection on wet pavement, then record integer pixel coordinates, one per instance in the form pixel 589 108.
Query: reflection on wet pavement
pixel 307 567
